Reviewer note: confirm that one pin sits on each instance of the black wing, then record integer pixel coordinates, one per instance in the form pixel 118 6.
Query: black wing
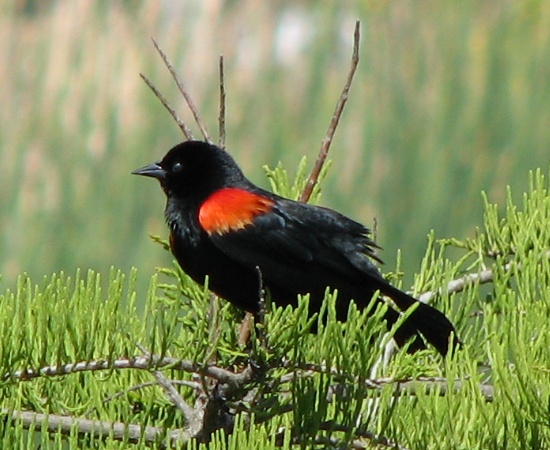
pixel 305 245
pixel 301 248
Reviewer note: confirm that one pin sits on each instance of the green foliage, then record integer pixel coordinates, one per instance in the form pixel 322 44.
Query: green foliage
pixel 450 98
pixel 312 390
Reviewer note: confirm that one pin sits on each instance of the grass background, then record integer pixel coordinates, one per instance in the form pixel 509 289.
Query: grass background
pixel 450 98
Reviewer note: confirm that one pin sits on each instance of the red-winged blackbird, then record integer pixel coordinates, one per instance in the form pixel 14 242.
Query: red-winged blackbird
pixel 224 227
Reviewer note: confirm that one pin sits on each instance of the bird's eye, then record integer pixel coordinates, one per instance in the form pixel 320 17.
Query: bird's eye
pixel 176 167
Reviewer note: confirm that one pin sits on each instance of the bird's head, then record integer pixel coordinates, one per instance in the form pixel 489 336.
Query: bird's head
pixel 194 168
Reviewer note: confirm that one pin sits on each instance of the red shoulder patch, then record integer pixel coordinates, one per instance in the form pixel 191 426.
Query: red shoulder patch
pixel 231 209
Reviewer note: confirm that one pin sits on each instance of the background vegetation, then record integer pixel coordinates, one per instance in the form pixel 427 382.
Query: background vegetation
pixel 450 98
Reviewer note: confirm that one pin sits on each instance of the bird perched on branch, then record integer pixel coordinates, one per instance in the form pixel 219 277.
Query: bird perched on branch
pixel 224 227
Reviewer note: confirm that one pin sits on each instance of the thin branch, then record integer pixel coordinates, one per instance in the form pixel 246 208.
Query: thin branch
pixel 259 317
pixel 453 287
pixel 223 376
pixel 221 118
pixel 438 385
pixel 442 387
pixel 184 92
pixel 210 414
pixel 192 416
pixel 100 429
pixel 132 433
pixel 215 414
pixel 181 124
pixel 409 385
pixel 458 285
pixel 190 384
pixel 325 145
pixel 232 379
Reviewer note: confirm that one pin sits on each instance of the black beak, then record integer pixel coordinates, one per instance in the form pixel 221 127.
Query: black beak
pixel 152 170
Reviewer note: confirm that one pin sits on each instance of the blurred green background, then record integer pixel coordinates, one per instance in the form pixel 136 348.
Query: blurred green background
pixel 450 98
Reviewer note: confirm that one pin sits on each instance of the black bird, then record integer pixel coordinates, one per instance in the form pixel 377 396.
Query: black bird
pixel 224 227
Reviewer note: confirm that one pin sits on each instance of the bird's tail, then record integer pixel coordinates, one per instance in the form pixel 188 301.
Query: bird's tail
pixel 432 324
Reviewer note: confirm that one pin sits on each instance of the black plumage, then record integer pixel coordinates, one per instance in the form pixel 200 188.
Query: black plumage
pixel 223 226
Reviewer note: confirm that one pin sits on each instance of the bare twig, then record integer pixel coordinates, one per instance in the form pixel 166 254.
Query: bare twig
pixel 325 145
pixel 210 413
pixel 458 285
pixel 441 387
pixel 221 118
pixel 190 384
pixel 132 433
pixel 184 92
pixel 98 428
pixel 153 362
pixel 181 124
pixel 192 416
pixel 438 385
pixel 453 287
pixel 259 318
